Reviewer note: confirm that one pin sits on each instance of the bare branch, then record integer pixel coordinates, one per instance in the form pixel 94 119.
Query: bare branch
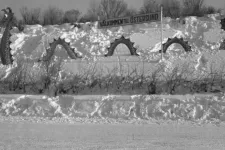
pixel 31 16
pixel 52 16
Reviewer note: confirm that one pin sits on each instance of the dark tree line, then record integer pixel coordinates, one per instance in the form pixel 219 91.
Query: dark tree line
pixel 106 9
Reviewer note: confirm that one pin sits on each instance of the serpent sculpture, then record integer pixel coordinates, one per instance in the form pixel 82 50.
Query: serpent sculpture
pixel 222 22
pixel 50 51
pixel 125 41
pixel 5 50
pixel 180 41
pixel 8 22
pixel 222 45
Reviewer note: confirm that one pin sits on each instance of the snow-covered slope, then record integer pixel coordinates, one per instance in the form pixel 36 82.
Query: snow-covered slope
pixel 204 35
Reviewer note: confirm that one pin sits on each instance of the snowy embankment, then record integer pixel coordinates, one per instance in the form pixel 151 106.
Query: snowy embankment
pixel 203 34
pixel 198 108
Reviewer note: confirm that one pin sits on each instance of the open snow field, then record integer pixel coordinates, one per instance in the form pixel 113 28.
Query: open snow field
pixel 172 136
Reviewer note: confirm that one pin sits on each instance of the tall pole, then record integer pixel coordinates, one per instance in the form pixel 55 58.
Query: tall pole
pixel 161 31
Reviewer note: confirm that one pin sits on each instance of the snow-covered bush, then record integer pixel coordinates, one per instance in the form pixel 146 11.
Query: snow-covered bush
pixel 30 16
pixel 18 78
pixel 49 78
pixel 153 80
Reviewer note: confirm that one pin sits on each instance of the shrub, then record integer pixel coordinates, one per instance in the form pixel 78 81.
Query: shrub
pixel 30 17
pixel 171 8
pixel 50 76
pixel 106 9
pixel 18 78
pixel 154 78
pixel 52 16
pixel 193 8
pixel 71 16
pixel 87 18
pixel 210 10
pixel 149 6
pixel 176 77
pixel 131 12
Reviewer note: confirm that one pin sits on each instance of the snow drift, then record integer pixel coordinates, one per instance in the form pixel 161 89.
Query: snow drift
pixel 188 108
pixel 204 35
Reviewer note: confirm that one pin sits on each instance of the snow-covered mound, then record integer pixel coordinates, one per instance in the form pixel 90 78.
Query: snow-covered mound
pixel 203 33
pixel 199 108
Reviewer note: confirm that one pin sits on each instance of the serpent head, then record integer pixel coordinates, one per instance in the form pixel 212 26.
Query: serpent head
pixel 10 14
pixel 9 9
pixel 4 18
pixel 9 18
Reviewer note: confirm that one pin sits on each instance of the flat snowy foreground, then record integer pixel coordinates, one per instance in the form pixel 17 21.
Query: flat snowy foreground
pixel 113 122
pixel 26 135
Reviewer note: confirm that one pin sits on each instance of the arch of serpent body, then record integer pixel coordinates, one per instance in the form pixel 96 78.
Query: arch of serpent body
pixel 222 44
pixel 121 40
pixel 180 41
pixel 50 51
pixel 222 22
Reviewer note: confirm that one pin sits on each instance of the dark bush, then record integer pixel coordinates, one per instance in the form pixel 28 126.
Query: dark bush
pixel 52 16
pixel 71 16
pixel 30 17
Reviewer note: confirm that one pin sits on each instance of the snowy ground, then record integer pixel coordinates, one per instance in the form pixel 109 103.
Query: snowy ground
pixel 167 136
